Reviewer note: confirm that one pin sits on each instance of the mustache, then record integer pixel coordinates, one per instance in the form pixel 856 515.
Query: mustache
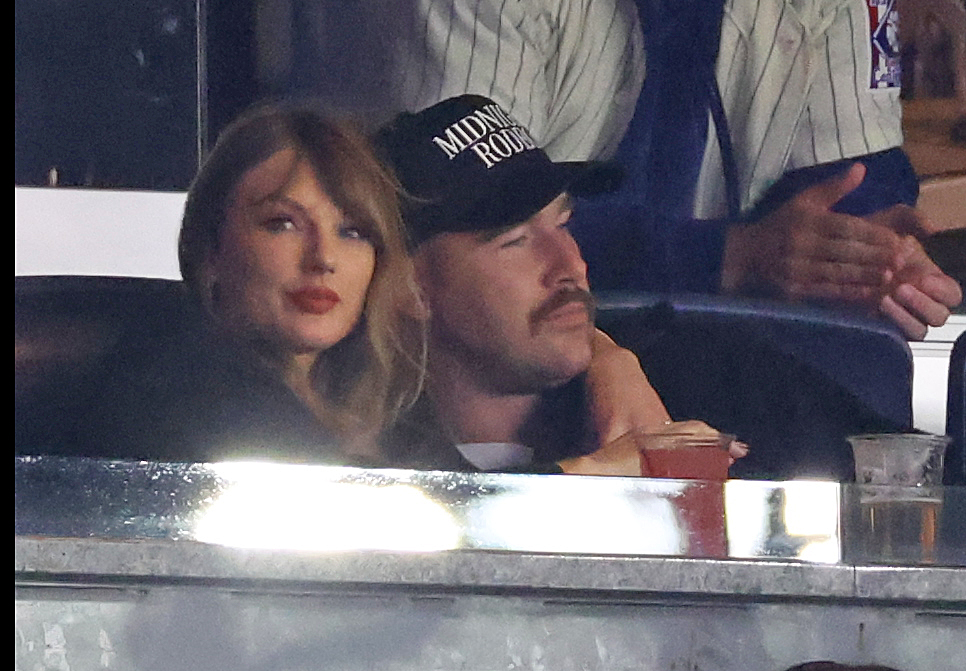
pixel 562 298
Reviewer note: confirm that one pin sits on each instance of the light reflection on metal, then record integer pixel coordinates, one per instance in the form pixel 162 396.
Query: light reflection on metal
pixel 274 506
pixel 322 508
pixel 605 516
pixel 746 519
pixel 812 514
pixel 794 519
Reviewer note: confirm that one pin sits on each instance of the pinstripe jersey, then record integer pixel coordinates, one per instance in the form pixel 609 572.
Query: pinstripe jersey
pixel 568 70
pixel 802 82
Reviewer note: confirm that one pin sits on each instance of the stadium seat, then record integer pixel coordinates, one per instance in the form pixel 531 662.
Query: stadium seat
pixel 955 473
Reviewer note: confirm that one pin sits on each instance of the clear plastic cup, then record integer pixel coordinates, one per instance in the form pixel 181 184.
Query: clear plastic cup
pixel 899 459
pixel 893 514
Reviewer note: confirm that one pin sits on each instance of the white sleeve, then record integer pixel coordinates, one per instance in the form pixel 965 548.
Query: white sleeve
pixel 853 106
pixel 569 70
pixel 595 73
pixel 796 81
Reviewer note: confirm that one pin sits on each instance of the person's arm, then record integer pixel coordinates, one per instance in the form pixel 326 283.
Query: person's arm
pixel 805 250
pixel 594 71
pixel 866 127
pixel 619 394
pixel 828 233
pixel 623 458
pixel 622 400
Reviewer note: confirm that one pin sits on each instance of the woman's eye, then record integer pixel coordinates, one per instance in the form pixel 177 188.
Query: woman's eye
pixel 352 232
pixel 279 224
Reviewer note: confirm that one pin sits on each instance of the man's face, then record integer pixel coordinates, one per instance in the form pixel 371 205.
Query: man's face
pixel 511 306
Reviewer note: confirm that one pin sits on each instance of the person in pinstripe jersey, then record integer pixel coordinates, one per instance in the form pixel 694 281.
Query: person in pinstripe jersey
pixel 794 86
pixel 788 95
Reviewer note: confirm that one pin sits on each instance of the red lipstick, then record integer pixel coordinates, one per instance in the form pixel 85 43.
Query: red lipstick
pixel 313 300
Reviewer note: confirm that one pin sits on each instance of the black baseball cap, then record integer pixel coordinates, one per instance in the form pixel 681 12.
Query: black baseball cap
pixel 466 165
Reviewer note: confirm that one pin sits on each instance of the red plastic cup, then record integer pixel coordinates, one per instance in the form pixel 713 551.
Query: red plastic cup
pixel 685 456
pixel 700 506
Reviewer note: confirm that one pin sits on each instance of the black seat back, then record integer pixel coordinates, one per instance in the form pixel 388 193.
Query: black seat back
pixel 792 381
pixel 65 328
pixel 955 473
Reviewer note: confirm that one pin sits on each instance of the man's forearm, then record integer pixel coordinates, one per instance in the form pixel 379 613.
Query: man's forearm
pixel 628 246
pixel 890 180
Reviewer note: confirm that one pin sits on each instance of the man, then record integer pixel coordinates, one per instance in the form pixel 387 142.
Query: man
pixel 511 333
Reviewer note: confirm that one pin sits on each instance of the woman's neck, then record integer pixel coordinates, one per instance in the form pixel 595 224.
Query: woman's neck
pixel 359 444
pixel 297 374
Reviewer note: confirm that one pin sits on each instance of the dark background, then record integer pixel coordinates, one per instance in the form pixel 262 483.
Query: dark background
pixel 125 94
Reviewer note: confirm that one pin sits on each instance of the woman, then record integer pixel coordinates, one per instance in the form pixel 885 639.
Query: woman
pixel 292 248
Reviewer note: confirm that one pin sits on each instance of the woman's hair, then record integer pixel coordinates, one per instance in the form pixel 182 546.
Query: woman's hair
pixel 366 379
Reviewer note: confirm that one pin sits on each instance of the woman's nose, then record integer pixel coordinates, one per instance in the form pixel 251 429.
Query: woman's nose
pixel 319 254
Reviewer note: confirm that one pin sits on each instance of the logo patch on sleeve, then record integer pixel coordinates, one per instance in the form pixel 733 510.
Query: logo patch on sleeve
pixel 884 26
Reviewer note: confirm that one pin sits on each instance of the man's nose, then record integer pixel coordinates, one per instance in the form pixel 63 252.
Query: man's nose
pixel 566 265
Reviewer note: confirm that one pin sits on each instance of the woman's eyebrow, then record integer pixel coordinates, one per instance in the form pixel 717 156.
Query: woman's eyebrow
pixel 281 198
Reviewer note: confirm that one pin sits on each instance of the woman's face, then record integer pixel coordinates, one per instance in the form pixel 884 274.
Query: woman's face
pixel 289 265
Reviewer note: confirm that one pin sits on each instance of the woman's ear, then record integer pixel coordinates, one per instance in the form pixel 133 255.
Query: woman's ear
pixel 208 286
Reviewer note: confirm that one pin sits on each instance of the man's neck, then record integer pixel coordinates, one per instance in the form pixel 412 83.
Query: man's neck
pixel 473 413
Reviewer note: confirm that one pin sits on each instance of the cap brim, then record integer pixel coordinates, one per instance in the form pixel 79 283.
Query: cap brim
pixel 593 178
pixel 517 195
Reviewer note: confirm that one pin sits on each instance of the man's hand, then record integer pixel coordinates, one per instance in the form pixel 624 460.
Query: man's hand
pixel 619 395
pixel 920 294
pixel 804 250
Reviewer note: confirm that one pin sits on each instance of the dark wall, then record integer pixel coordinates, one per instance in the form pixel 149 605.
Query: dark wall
pixel 107 91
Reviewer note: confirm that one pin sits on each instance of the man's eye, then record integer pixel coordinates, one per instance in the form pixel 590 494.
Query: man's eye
pixel 279 224
pixel 515 241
